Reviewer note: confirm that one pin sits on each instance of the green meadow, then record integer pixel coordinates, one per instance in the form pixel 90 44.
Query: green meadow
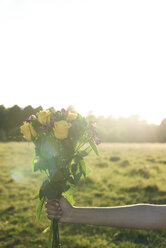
pixel 123 174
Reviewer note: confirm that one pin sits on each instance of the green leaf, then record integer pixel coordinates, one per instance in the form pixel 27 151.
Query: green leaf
pixel 36 196
pixel 35 123
pixel 74 168
pixel 94 147
pixel 35 161
pixel 52 110
pixel 69 194
pixel 38 164
pixel 88 149
pixel 49 190
pixel 88 170
pixel 66 188
pixel 77 159
pixel 43 188
pixel 69 198
pixel 77 177
pixel 52 189
pixel 71 180
pixel 46 229
pixel 85 169
pixel 47 148
pixel 51 165
pixel 39 208
pixel 85 152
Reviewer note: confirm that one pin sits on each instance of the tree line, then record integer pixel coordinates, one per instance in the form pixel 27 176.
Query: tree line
pixel 110 129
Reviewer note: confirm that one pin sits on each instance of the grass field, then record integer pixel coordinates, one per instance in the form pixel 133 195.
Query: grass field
pixel 123 174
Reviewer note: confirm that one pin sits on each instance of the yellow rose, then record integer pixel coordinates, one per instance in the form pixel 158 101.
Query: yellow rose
pixel 44 116
pixel 71 116
pixel 28 131
pixel 61 129
pixel 33 132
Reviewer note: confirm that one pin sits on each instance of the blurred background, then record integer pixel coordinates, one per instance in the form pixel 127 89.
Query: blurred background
pixel 105 60
pixel 102 56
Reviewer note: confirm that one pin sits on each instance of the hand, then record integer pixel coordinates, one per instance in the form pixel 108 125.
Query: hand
pixel 59 209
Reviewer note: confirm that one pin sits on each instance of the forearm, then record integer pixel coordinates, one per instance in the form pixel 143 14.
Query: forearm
pixel 140 216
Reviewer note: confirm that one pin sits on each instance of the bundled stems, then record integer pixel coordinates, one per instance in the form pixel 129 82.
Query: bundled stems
pixel 55 233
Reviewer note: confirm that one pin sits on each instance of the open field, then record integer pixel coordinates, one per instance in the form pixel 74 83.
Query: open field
pixel 123 174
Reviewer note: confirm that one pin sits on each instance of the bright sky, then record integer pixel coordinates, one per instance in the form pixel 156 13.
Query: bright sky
pixel 104 56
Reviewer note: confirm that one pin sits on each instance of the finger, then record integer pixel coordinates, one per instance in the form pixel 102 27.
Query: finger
pixel 56 216
pixel 55 205
pixel 51 212
pixel 53 200
pixel 53 216
pixel 54 210
pixel 50 206
pixel 50 217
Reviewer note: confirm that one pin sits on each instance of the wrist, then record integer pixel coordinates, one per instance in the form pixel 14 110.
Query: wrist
pixel 68 216
pixel 78 215
pixel 71 215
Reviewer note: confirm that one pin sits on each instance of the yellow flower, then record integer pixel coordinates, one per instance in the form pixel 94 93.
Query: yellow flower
pixel 28 131
pixel 44 116
pixel 71 116
pixel 61 129
pixel 33 132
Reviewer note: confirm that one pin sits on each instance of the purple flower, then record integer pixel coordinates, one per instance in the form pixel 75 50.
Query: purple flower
pixel 93 124
pixel 45 126
pixel 94 132
pixel 30 117
pixel 55 116
pixel 64 111
pixel 97 140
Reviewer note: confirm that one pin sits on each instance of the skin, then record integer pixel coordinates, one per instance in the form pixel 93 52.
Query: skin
pixel 138 216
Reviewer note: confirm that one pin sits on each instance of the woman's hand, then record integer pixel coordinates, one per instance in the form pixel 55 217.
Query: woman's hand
pixel 59 209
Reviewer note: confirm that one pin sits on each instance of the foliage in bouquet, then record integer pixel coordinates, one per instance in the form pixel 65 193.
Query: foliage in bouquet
pixel 60 138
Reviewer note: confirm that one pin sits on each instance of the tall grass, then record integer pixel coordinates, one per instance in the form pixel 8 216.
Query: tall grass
pixel 123 174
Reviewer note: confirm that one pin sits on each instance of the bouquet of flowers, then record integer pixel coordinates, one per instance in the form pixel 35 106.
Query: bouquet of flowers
pixel 62 139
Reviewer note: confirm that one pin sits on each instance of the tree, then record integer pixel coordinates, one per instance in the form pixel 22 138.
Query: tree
pixel 162 131
pixel 3 136
pixel 2 116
